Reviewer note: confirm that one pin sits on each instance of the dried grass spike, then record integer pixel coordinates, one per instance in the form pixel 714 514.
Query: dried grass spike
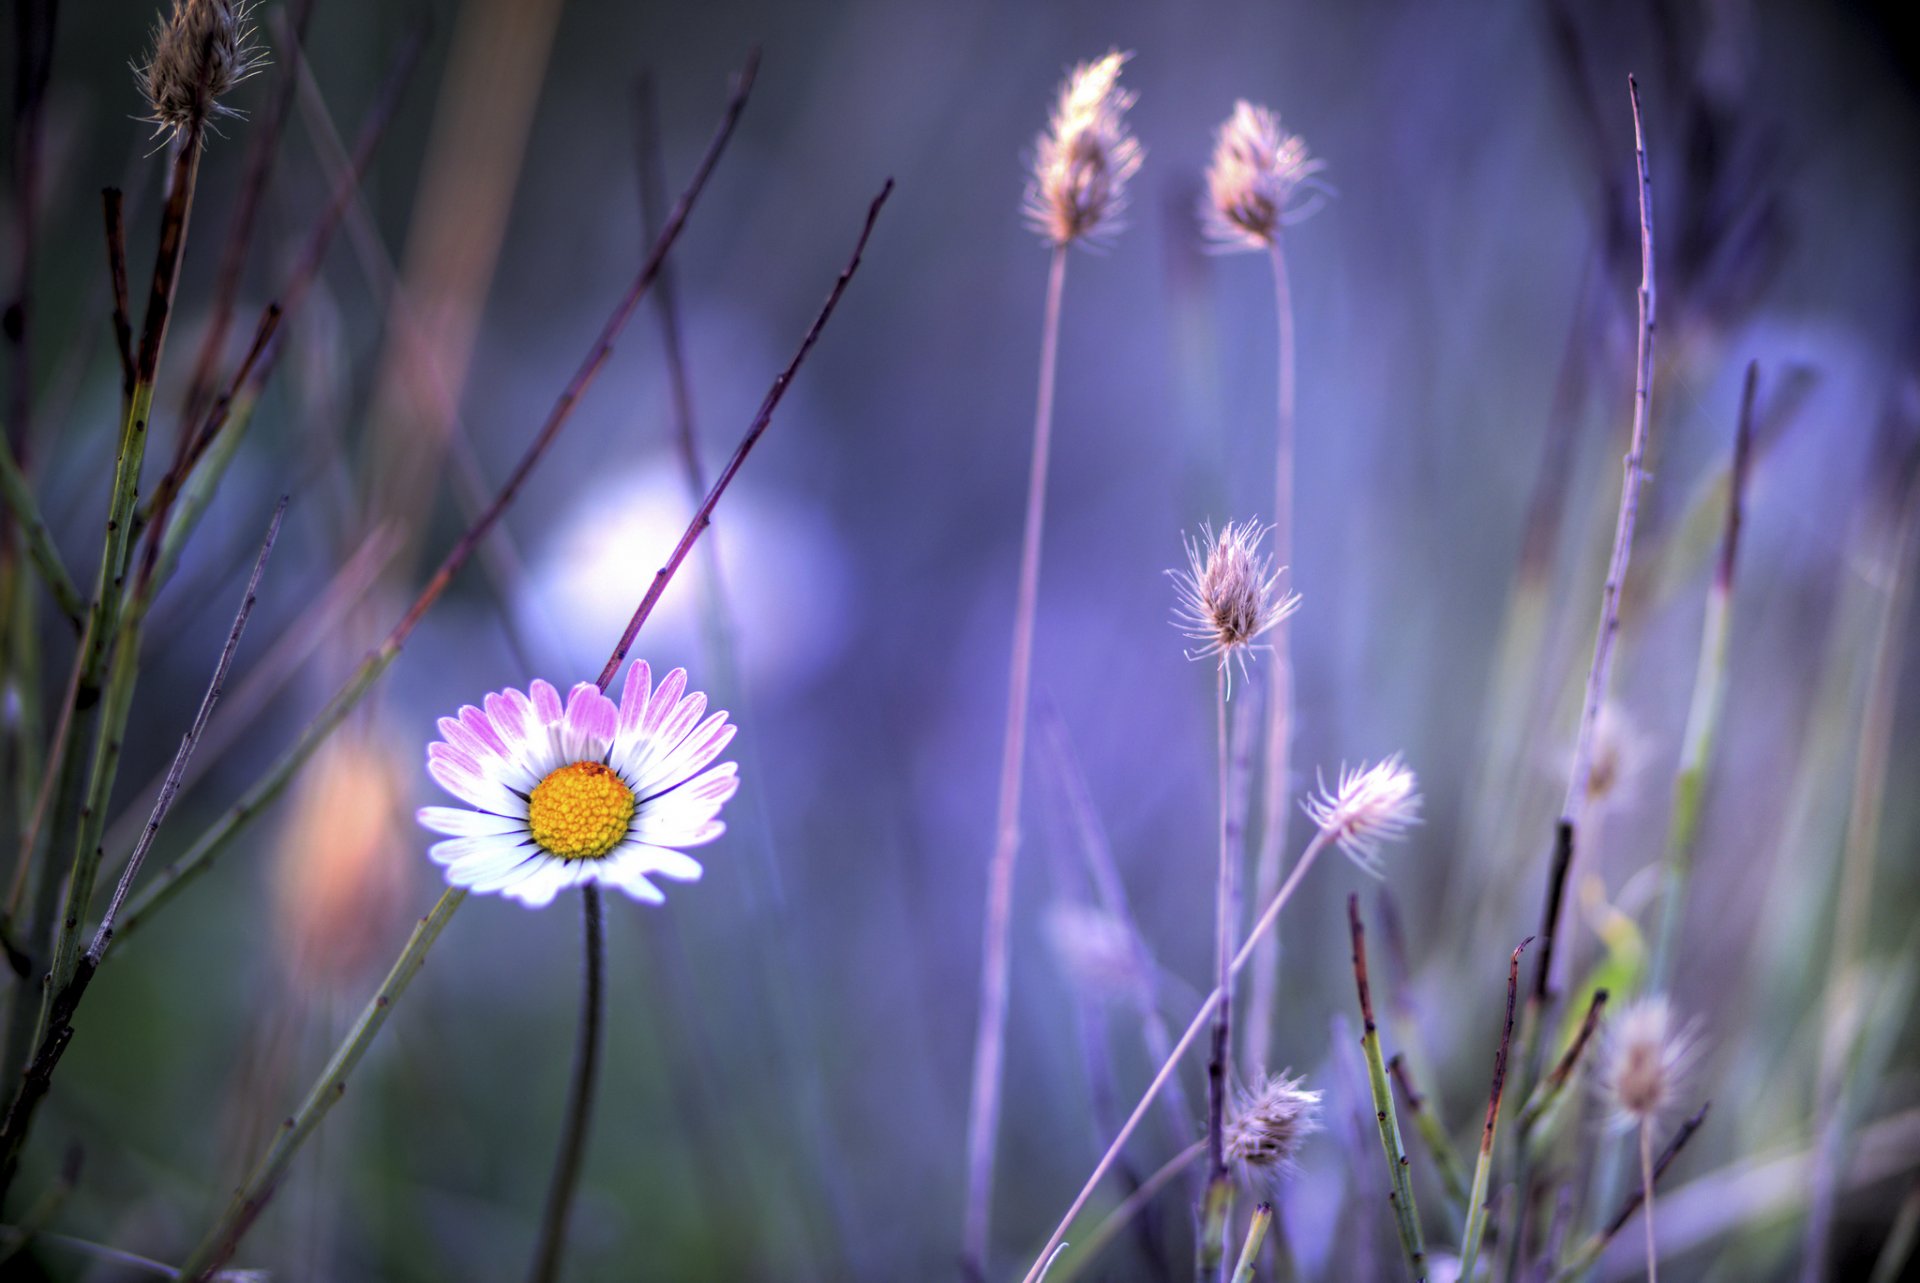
pixel 1268 1126
pixel 1256 182
pixel 200 52
pixel 1084 159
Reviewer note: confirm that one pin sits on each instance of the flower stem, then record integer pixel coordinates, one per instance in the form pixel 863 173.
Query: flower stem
pixel 586 1071
pixel 1089 1248
pixel 1275 811
pixel 1225 913
pixel 989 1055
pixel 219 1243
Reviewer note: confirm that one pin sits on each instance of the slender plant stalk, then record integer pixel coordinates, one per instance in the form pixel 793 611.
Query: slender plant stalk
pixel 1405 1214
pixel 1446 1163
pixel 38 1079
pixel 201 854
pixel 1476 1223
pixel 1216 1210
pixel 1275 812
pixel 1123 1215
pixel 251 1198
pixel 1646 1194
pixel 1547 1096
pixel 1321 839
pixel 17 493
pixel 552 1240
pixel 989 1054
pixel 113 214
pixel 1703 713
pixel 1580 778
pixel 1256 1238
pixel 1226 895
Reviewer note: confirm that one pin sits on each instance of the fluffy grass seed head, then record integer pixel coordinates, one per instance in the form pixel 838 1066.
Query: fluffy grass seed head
pixel 1268 1124
pixel 1261 179
pixel 1367 807
pixel 1646 1062
pixel 1084 158
pixel 200 51
pixel 1229 594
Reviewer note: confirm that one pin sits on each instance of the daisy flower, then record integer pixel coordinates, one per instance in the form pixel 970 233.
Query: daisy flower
pixel 559 795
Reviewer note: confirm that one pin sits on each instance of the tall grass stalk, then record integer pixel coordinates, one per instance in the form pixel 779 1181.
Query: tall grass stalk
pixel 1275 812
pixel 989 1055
pixel 1256 1239
pixel 1433 1132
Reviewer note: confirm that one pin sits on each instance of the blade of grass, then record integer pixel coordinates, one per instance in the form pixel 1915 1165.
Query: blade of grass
pixel 1476 1222
pixel 1406 1215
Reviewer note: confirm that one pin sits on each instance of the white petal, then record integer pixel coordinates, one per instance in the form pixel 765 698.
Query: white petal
pixel 470 786
pixel 458 821
pixel 454 850
pixel 644 858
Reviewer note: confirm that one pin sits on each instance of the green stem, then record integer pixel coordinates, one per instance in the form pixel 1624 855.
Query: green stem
pixel 1405 1214
pixel 1210 1250
pixel 1476 1223
pixel 1426 1121
pixel 219 1243
pixel 1256 1238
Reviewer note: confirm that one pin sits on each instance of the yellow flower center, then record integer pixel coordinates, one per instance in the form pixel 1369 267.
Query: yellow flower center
pixel 580 812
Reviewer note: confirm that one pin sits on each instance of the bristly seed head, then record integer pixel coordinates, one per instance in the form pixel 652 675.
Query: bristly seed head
pixel 1229 594
pixel 1367 807
pixel 1647 1059
pixel 200 51
pixel 1082 162
pixel 1256 180
pixel 1269 1124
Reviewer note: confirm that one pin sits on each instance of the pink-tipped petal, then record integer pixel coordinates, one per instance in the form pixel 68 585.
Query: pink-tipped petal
pixel 633 697
pixel 472 787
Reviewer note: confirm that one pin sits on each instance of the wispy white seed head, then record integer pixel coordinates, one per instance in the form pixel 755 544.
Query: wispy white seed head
pixel 1268 1124
pixel 1084 158
pixel 1367 807
pixel 1617 760
pixel 1097 951
pixel 200 51
pixel 1261 179
pixel 1646 1061
pixel 1229 594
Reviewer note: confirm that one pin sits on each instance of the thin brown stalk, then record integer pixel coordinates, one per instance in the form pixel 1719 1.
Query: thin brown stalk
pixel 1225 894
pixel 1123 1215
pixel 989 1047
pixel 113 213
pixel 1672 1151
pixel 1483 1168
pixel 36 21
pixel 703 516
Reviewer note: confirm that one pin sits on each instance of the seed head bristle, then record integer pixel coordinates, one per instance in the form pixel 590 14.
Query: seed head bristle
pixel 1647 1060
pixel 202 49
pixel 1367 807
pixel 1268 1125
pixel 1229 594
pixel 1084 158
pixel 1261 179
